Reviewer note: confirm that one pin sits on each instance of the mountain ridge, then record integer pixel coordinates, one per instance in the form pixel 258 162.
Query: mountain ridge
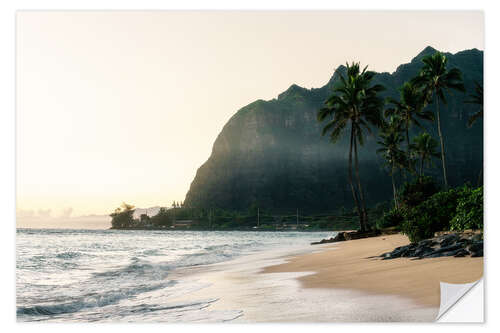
pixel 271 153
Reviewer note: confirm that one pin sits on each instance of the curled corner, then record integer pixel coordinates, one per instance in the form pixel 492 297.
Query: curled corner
pixel 451 294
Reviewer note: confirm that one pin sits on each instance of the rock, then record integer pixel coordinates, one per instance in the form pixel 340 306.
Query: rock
pixel 338 238
pixel 446 244
pixel 476 246
pixel 477 237
pixel 449 239
pixel 462 253
pixel 427 242
pixel 479 253
pixel 423 250
pixel 443 250
pixel 359 234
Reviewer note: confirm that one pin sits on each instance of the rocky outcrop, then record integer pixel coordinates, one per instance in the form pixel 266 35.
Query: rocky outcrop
pixel 349 235
pixel 271 154
pixel 454 244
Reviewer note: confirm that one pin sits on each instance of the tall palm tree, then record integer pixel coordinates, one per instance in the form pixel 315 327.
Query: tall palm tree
pixel 425 148
pixel 355 106
pixel 436 79
pixel 409 107
pixel 476 98
pixel 391 138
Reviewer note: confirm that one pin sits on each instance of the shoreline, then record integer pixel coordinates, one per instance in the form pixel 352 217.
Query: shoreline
pixel 340 282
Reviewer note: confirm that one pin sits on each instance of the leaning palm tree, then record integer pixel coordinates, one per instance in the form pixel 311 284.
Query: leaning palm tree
pixel 391 138
pixel 355 106
pixel 436 79
pixel 425 148
pixel 409 108
pixel 476 98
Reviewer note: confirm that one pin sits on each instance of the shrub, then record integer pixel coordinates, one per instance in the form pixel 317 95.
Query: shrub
pixel 434 214
pixel 469 213
pixel 392 218
pixel 414 193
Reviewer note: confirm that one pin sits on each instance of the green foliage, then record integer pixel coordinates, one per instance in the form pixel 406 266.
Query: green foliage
pixel 469 214
pixel 476 98
pixel 430 216
pixel 414 193
pixel 162 219
pixel 392 218
pixel 122 217
pixel 424 147
pixel 458 209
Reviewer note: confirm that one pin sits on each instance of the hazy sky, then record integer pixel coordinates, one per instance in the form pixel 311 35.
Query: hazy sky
pixel 125 106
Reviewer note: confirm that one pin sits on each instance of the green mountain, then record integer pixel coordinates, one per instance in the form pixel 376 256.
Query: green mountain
pixel 271 154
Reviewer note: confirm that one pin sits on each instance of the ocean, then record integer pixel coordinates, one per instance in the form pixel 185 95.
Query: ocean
pixel 67 275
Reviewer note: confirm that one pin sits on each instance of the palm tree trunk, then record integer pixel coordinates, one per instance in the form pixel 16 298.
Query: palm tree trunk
pixel 394 187
pixel 441 140
pixel 408 138
pixel 361 195
pixel 355 197
pixel 422 166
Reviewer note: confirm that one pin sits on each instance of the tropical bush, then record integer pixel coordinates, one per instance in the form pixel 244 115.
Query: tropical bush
pixel 434 214
pixel 414 193
pixel 469 212
pixel 392 218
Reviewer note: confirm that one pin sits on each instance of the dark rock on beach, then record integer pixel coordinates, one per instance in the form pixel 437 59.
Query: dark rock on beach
pixel 348 235
pixel 447 245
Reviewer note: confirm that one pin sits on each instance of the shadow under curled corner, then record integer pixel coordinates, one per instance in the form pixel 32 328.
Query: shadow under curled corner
pixel 461 302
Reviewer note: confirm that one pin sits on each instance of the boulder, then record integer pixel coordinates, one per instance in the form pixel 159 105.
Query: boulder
pixel 449 239
pixel 476 246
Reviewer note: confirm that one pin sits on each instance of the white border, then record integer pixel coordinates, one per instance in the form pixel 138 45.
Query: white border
pixel 7 142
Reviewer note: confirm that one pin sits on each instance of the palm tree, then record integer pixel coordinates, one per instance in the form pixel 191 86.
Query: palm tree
pixel 436 79
pixel 409 107
pixel 425 147
pixel 354 105
pixel 391 138
pixel 476 98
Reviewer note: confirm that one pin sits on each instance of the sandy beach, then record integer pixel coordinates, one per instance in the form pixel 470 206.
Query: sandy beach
pixel 339 282
pixel 351 265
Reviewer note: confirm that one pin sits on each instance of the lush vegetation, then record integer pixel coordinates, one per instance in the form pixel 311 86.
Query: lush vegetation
pixel 469 213
pixel 420 208
pixel 425 210
pixel 186 218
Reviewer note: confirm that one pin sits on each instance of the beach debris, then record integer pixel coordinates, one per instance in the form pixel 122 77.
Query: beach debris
pixel 454 244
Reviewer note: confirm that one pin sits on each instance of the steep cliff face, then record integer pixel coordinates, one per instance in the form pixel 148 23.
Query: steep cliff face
pixel 272 154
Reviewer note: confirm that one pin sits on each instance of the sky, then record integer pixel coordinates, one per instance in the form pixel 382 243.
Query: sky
pixel 115 106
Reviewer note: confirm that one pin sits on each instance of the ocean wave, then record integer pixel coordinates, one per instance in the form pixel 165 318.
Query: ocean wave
pixel 68 255
pixel 90 301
